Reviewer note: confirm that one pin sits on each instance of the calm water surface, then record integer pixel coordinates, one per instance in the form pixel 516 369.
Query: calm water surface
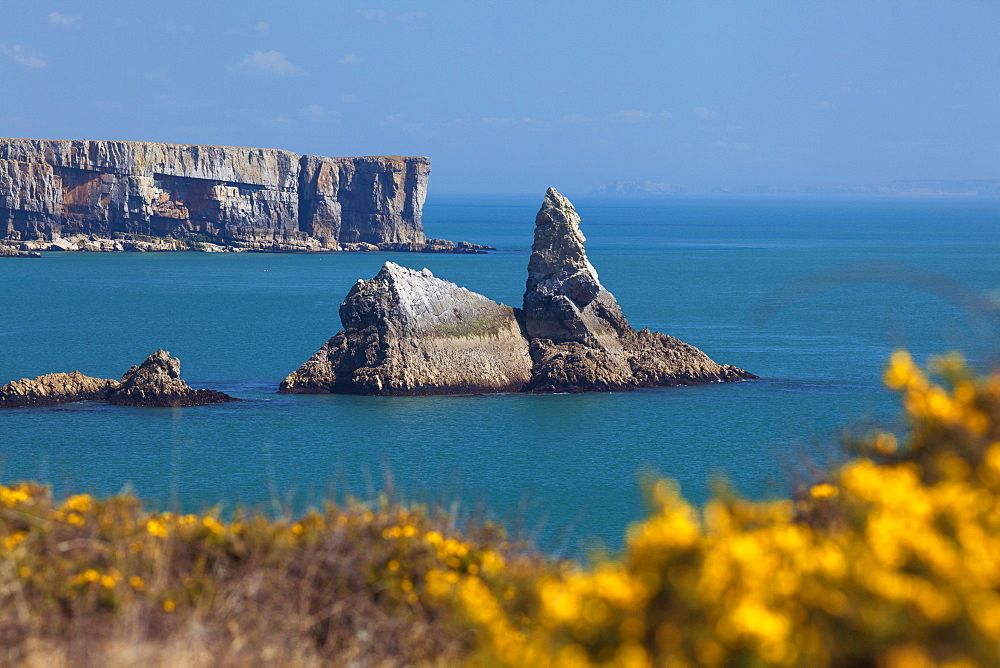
pixel 811 295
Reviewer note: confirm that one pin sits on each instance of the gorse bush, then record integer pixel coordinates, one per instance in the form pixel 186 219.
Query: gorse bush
pixel 892 560
pixel 90 582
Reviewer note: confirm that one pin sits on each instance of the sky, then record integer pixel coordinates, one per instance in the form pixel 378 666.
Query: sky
pixel 512 97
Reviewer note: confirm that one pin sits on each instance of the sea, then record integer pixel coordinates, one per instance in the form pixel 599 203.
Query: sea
pixel 812 295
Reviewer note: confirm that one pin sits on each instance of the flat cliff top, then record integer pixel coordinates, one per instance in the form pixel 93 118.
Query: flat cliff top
pixel 227 147
pixel 269 167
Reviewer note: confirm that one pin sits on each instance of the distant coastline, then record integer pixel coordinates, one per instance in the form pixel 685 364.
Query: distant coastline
pixel 902 188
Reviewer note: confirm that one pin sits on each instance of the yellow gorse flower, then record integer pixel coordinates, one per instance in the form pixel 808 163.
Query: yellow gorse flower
pixel 14 539
pixel 879 564
pixel 11 496
pixel 157 526
pixel 80 503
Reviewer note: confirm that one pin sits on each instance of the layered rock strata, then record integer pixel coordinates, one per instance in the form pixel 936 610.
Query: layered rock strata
pixel 155 382
pixel 119 195
pixel 407 332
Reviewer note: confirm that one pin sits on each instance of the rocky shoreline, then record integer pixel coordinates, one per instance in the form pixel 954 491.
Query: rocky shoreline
pixel 8 251
pixel 129 243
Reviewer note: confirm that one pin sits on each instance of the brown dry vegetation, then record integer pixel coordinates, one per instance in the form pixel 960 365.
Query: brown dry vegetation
pixel 102 583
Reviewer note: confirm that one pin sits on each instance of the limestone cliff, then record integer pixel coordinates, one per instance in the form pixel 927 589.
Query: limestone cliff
pixel 369 200
pixel 262 199
pixel 407 332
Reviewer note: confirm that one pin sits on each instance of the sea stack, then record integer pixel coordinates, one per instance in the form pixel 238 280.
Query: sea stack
pixel 580 340
pixel 157 382
pixel 407 332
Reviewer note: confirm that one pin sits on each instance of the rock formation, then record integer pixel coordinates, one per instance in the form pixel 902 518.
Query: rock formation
pixel 406 332
pixel 55 388
pixel 7 251
pixel 87 195
pixel 156 382
pixel 579 338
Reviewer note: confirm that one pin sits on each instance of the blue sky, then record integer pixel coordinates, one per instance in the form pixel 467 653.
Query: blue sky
pixel 516 96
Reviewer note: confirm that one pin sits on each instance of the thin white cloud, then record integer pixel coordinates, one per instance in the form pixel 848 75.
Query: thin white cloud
pixel 19 55
pixel 174 27
pixel 825 104
pixel 349 59
pixel 631 116
pixel 576 119
pixel 704 113
pixel 350 98
pixel 523 122
pixel 372 14
pixel 263 27
pixel 60 19
pixel 408 17
pixel 270 62
pixel 737 146
pixel 315 112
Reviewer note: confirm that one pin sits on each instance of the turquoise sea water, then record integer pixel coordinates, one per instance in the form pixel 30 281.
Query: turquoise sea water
pixel 811 295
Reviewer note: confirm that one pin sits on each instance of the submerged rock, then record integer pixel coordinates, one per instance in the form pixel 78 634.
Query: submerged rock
pixel 157 382
pixel 407 332
pixel 55 388
pixel 580 340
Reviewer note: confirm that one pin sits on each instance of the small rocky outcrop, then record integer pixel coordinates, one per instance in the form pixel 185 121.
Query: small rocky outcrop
pixel 157 382
pixel 407 332
pixel 55 388
pixel 580 340
pixel 8 251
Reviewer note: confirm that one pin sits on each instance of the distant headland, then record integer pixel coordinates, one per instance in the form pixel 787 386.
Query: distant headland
pixel 144 196
pixel 904 188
